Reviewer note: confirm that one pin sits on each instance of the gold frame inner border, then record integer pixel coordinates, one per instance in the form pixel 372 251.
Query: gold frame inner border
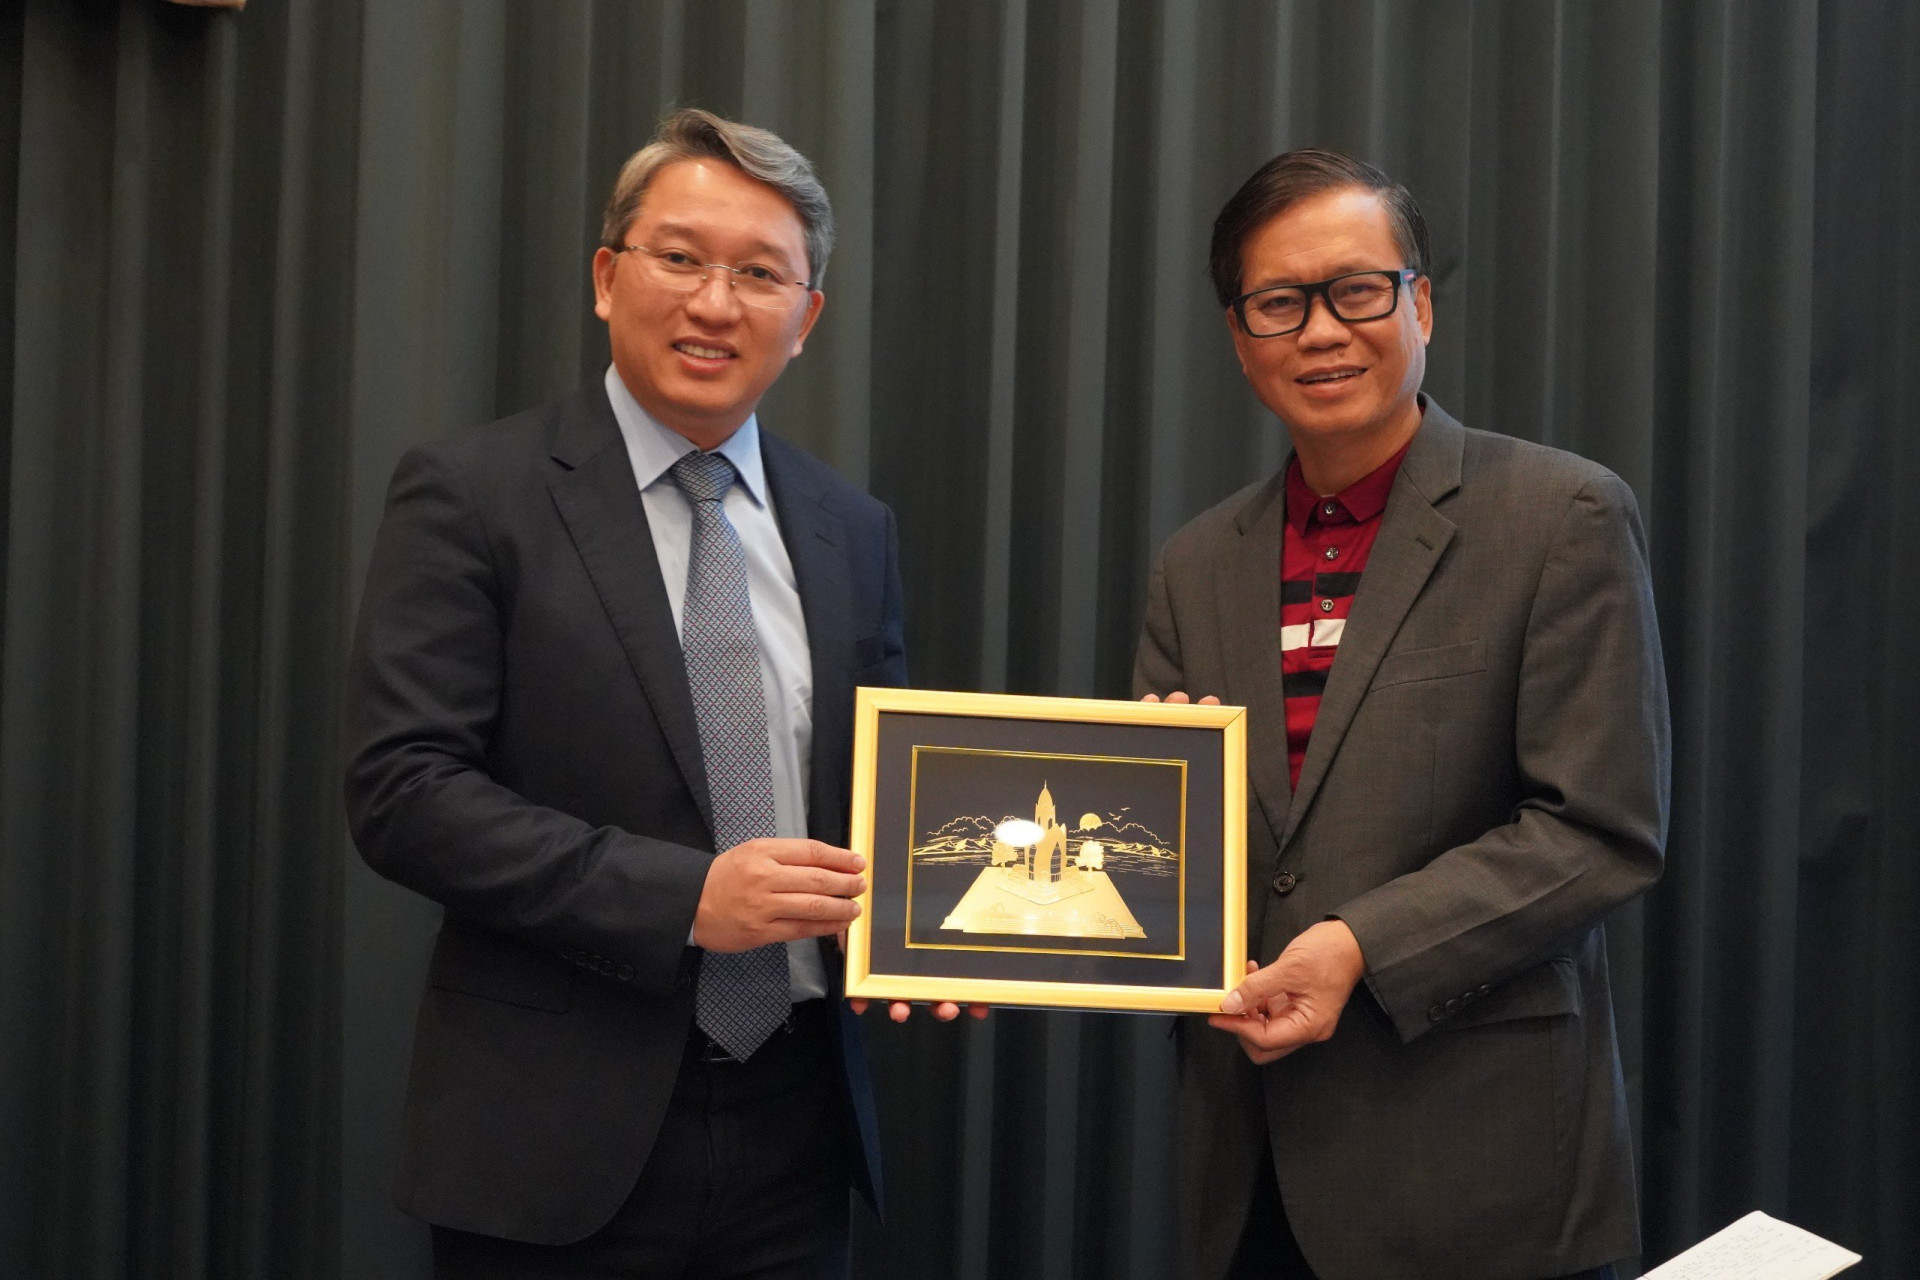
pixel 1179 951
pixel 861 981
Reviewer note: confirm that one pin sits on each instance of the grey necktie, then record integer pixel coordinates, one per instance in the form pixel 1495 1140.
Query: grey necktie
pixel 743 996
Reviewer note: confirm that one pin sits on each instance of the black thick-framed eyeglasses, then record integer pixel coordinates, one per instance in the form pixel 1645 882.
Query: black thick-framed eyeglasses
pixel 1356 296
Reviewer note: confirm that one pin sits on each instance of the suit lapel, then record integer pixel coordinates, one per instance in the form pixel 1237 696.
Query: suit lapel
pixel 600 504
pixel 816 545
pixel 1413 536
pixel 1247 585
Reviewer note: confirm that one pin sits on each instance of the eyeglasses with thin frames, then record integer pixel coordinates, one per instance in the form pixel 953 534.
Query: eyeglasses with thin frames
pixel 681 272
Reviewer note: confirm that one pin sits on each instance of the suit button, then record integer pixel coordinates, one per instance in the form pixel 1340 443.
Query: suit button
pixel 1453 1005
pixel 625 973
pixel 1485 990
pixel 1436 1014
pixel 1284 882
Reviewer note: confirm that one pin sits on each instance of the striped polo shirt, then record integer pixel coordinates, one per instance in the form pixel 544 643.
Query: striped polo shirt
pixel 1325 550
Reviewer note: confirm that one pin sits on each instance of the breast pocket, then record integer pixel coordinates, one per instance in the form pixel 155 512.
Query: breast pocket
pixel 1414 666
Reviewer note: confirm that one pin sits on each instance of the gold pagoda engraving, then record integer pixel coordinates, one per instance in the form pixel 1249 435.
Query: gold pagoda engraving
pixel 1032 886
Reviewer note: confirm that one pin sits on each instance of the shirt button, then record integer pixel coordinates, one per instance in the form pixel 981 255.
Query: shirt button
pixel 1284 882
pixel 1328 509
pixel 1326 606
pixel 1333 553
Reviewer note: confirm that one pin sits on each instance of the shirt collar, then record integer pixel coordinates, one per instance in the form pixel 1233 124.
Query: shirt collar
pixel 1362 500
pixel 653 449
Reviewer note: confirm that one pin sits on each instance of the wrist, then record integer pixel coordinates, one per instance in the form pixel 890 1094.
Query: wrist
pixel 1346 950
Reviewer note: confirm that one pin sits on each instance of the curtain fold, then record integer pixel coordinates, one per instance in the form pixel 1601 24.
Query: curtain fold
pixel 173 615
pixel 1730 457
pixel 248 258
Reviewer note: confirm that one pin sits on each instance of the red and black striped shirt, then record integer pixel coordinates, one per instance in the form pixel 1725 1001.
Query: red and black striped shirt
pixel 1325 549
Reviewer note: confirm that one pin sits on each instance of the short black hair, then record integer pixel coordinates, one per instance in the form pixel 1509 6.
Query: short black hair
pixel 1291 177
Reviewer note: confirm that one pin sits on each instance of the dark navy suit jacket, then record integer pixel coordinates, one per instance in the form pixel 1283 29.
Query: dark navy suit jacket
pixel 522 750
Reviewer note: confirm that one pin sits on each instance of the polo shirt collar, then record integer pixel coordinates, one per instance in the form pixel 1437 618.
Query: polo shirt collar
pixel 1362 500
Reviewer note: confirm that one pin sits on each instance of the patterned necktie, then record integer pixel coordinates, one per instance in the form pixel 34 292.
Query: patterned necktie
pixel 743 996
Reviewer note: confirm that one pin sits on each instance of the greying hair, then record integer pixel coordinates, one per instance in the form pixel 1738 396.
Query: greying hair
pixel 692 134
pixel 1291 177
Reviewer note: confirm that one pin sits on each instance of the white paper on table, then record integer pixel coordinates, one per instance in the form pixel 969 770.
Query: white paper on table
pixel 1757 1247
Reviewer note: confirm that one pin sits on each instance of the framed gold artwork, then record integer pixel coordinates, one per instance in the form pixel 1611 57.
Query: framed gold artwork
pixel 1052 852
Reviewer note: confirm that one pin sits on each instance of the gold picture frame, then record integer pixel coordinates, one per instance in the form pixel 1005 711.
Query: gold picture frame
pixel 1139 905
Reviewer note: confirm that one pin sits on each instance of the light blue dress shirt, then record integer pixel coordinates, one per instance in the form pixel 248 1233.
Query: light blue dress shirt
pixel 786 662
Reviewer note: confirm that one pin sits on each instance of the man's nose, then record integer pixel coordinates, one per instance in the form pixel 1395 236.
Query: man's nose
pixel 714 295
pixel 1323 328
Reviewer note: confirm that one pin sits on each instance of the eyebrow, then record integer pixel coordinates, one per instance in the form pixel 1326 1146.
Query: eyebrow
pixel 1351 266
pixel 758 248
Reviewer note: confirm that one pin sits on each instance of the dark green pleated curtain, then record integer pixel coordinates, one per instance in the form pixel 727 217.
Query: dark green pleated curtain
pixel 245 259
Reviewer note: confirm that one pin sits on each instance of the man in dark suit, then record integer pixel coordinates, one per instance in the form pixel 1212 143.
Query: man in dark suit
pixel 600 708
pixel 1459 748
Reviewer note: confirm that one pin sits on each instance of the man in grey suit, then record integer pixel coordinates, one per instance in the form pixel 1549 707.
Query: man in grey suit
pixel 1459 750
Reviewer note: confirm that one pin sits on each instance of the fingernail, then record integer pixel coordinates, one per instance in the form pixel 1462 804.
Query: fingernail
pixel 859 863
pixel 1233 1003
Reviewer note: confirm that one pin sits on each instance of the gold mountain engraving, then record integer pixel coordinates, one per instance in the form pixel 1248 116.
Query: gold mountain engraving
pixel 1033 887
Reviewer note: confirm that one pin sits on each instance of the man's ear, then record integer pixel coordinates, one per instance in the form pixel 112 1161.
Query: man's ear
pixel 604 262
pixel 1234 335
pixel 815 301
pixel 1423 306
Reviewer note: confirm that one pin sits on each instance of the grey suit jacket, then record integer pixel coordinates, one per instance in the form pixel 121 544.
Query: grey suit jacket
pixel 524 751
pixel 1487 777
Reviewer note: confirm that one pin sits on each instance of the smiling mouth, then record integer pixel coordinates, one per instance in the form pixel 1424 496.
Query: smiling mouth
pixel 1332 375
pixel 704 353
